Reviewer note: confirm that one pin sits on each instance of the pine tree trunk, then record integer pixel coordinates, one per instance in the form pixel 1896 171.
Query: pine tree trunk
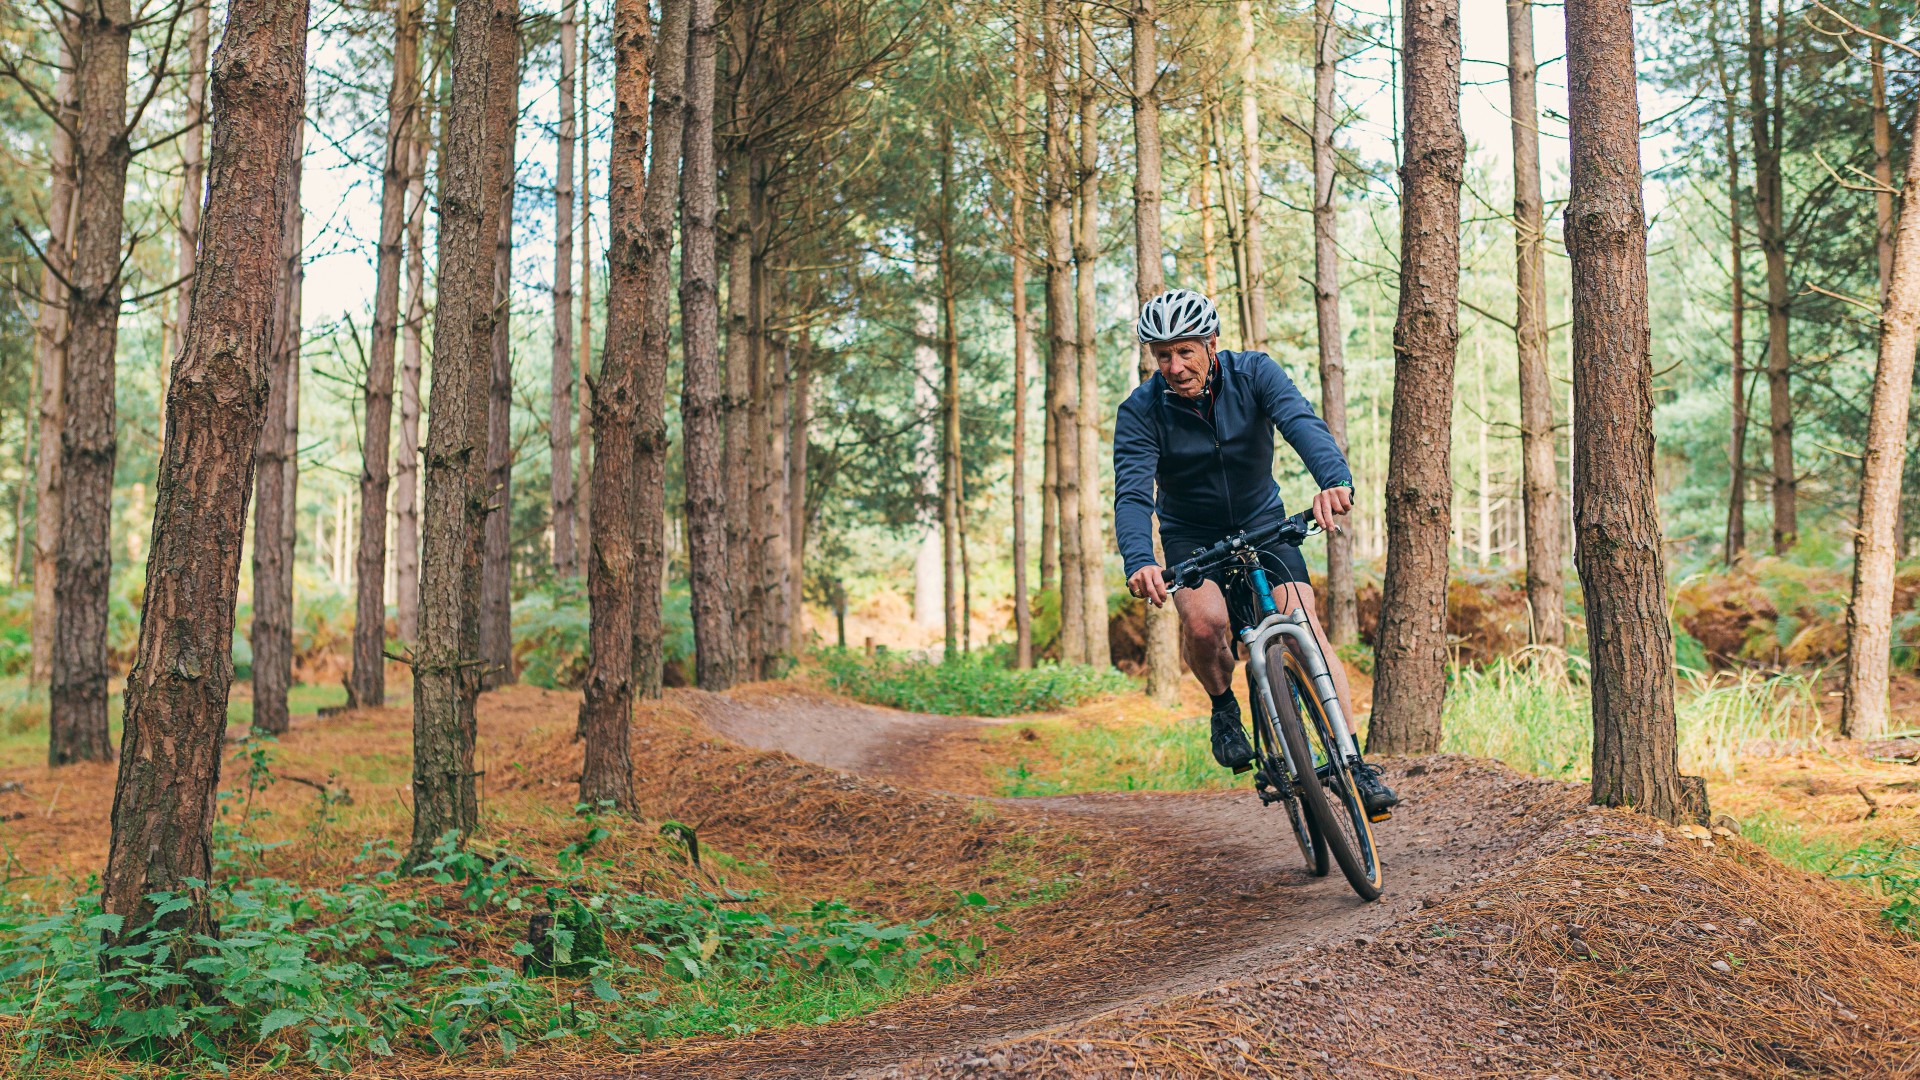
pixel 77 717
pixel 1736 541
pixel 274 476
pixel 1163 624
pixel 702 400
pixel 1411 644
pixel 1540 473
pixel 1343 616
pixel 798 423
pixel 447 662
pixel 1769 218
pixel 1049 473
pixel 193 174
pixel 582 484
pixel 50 345
pixel 367 683
pixel 1063 361
pixel 1086 241
pixel 496 568
pixel 176 695
pixel 1882 166
pixel 949 406
pixel 1877 542
pixel 1616 508
pixel 406 499
pixel 741 358
pixel 1022 342
pixel 1254 254
pixel 560 380
pixel 607 711
pixel 655 238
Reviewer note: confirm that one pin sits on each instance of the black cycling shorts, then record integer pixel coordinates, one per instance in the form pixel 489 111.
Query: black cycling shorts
pixel 1283 562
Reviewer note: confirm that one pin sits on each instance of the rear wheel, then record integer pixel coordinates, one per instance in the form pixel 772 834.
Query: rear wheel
pixel 1326 789
pixel 1273 773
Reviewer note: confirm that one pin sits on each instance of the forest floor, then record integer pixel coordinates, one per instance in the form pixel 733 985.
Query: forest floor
pixel 1156 933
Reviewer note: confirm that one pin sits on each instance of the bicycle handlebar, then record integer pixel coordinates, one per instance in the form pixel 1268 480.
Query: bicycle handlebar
pixel 1292 530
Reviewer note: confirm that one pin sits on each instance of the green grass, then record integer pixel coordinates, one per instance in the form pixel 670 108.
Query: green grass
pixel 969 684
pixel 1153 755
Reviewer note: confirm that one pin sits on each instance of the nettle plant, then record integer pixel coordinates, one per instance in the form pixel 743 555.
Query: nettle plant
pixel 386 963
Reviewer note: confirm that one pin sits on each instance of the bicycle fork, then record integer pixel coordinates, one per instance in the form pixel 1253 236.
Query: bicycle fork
pixel 1300 632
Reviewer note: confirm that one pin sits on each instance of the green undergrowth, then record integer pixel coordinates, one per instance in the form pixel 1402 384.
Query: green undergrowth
pixel 473 957
pixel 1056 757
pixel 1887 867
pixel 979 683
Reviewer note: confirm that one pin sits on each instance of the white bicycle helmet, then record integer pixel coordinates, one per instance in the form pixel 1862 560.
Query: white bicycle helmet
pixel 1177 315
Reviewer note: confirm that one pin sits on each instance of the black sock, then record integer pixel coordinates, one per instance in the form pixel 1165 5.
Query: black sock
pixel 1224 699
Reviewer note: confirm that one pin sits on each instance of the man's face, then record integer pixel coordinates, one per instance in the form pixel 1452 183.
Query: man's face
pixel 1185 363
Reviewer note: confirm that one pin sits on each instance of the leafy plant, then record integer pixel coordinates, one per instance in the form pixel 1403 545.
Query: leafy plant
pixel 968 684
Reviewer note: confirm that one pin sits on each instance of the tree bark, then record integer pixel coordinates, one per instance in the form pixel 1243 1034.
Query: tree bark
pixel 1767 120
pixel 77 718
pixel 1411 683
pixel 1539 472
pixel 1049 472
pixel 702 395
pixel 176 695
pixel 1736 540
pixel 447 663
pixel 1163 626
pixel 560 381
pixel 1615 497
pixel 1343 616
pixel 607 711
pixel 949 407
pixel 275 475
pixel 1882 166
pixel 1864 710
pixel 1255 254
pixel 406 499
pixel 50 343
pixel 1086 253
pixel 367 683
pixel 798 423
pixel 583 512
pixel 1022 340
pixel 655 239
pixel 1063 361
pixel 496 569
pixel 741 359
pixel 193 174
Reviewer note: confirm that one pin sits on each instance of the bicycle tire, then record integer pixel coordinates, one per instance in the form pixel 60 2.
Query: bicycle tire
pixel 1306 831
pixel 1351 847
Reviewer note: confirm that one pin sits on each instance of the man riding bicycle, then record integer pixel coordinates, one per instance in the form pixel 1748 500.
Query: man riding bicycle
pixel 1194 444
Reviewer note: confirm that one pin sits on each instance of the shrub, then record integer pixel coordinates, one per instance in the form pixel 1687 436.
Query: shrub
pixel 968 684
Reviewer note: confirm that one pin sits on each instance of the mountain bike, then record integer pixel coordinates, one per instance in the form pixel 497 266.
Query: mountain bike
pixel 1304 751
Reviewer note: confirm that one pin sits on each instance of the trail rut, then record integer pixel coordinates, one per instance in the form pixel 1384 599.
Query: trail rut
pixel 1228 891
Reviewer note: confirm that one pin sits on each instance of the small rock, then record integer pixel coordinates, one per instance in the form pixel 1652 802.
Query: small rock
pixel 1847 1015
pixel 1241 1044
pixel 1709 928
pixel 1085 1048
pixel 997 1060
pixel 1482 905
pixel 1722 967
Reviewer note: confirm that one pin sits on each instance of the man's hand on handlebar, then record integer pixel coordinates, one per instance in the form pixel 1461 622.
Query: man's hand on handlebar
pixel 1150 584
pixel 1330 505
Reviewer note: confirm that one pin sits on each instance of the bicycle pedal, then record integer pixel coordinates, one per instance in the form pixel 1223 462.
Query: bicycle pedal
pixel 1383 815
pixel 1238 769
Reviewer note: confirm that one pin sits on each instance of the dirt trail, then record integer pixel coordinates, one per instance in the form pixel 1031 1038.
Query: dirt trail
pixel 1225 890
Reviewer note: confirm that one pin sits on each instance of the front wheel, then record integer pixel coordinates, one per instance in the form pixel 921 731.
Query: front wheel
pixel 1326 789
pixel 1273 768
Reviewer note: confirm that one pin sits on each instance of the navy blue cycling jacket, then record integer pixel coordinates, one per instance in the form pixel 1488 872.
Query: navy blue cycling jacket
pixel 1214 473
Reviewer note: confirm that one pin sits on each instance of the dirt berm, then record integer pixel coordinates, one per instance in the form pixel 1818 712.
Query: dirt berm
pixel 1521 934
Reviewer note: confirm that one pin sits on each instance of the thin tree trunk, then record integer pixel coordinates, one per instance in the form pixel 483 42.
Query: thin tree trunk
pixel 77 718
pixel 1877 543
pixel 582 486
pixel 50 334
pixel 702 401
pixel 496 568
pixel 1063 374
pixel 741 357
pixel 274 476
pixel 1411 643
pixel 447 663
pixel 406 499
pixel 560 381
pixel 1093 563
pixel 655 240
pixel 193 175
pixel 1615 495
pixel 1736 543
pixel 1049 478
pixel 1769 214
pixel 1539 470
pixel 607 711
pixel 1209 258
pixel 1163 626
pixel 1236 250
pixel 949 407
pixel 1022 342
pixel 798 422
pixel 1254 283
pixel 367 683
pixel 1343 617
pixel 176 695
pixel 1882 166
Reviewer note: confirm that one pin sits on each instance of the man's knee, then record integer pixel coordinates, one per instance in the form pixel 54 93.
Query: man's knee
pixel 1205 630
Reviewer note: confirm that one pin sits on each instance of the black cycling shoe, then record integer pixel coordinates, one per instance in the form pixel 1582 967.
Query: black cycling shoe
pixel 1375 795
pixel 1230 746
